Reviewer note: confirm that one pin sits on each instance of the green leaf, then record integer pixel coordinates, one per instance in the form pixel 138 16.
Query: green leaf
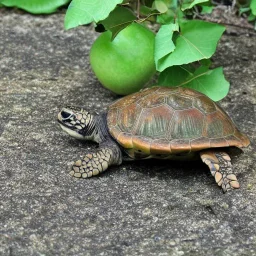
pixel 148 3
pixel 251 17
pixel 188 4
pixel 171 16
pixel 243 10
pixel 206 9
pixel 36 6
pixel 206 62
pixel 197 40
pixel 167 17
pixel 117 20
pixel 174 76
pixel 81 12
pixel 253 7
pixel 160 6
pixel 163 41
pixel 209 82
pixel 144 10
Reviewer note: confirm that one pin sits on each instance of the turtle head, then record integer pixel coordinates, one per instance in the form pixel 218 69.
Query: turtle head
pixel 77 122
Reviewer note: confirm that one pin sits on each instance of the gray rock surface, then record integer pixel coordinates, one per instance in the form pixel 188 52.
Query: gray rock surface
pixel 142 208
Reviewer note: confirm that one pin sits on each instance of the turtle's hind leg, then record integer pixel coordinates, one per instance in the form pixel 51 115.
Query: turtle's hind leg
pixel 95 163
pixel 221 169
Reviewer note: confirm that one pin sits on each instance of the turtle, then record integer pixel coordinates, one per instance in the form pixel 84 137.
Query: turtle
pixel 156 122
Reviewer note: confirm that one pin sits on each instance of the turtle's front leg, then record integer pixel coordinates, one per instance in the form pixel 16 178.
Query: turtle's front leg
pixel 98 162
pixel 221 169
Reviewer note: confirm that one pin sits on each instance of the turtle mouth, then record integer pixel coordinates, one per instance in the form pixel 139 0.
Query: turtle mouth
pixel 66 124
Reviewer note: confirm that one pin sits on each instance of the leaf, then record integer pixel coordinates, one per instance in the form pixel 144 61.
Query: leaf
pixel 166 18
pixel 117 20
pixel 197 40
pixel 253 7
pixel 148 3
pixel 81 12
pixel 206 62
pixel 243 10
pixel 251 17
pixel 171 16
pixel 188 4
pixel 174 76
pixel 163 41
pixel 206 9
pixel 36 6
pixel 160 6
pixel 144 10
pixel 209 82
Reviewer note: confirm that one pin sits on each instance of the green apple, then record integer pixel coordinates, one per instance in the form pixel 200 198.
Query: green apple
pixel 125 64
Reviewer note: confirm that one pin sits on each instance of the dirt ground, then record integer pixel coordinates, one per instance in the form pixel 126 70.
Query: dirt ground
pixel 138 208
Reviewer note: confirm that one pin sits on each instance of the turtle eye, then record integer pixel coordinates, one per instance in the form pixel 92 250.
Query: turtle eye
pixel 65 115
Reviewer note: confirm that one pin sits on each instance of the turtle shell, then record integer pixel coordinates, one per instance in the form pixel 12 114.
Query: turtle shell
pixel 170 121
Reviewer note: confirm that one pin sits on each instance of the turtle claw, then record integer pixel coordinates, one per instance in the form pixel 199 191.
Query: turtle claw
pixel 91 164
pixel 221 169
pixel 229 182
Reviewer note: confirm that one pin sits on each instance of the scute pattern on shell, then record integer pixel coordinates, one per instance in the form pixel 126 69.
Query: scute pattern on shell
pixel 161 120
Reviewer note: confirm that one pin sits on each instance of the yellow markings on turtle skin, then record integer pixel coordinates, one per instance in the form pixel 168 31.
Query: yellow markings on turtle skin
pixel 210 156
pixel 92 164
pixel 218 177
pixel 220 182
pixel 100 167
pixel 234 184
pixel 86 159
pixel 232 177
pixel 221 168
pixel 95 172
pixel 207 161
pixel 79 117
pixel 78 163
pixel 77 175
pixel 84 175
pixel 104 165
pixel 216 166
pixel 226 157
pixel 76 169
pixel 78 127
